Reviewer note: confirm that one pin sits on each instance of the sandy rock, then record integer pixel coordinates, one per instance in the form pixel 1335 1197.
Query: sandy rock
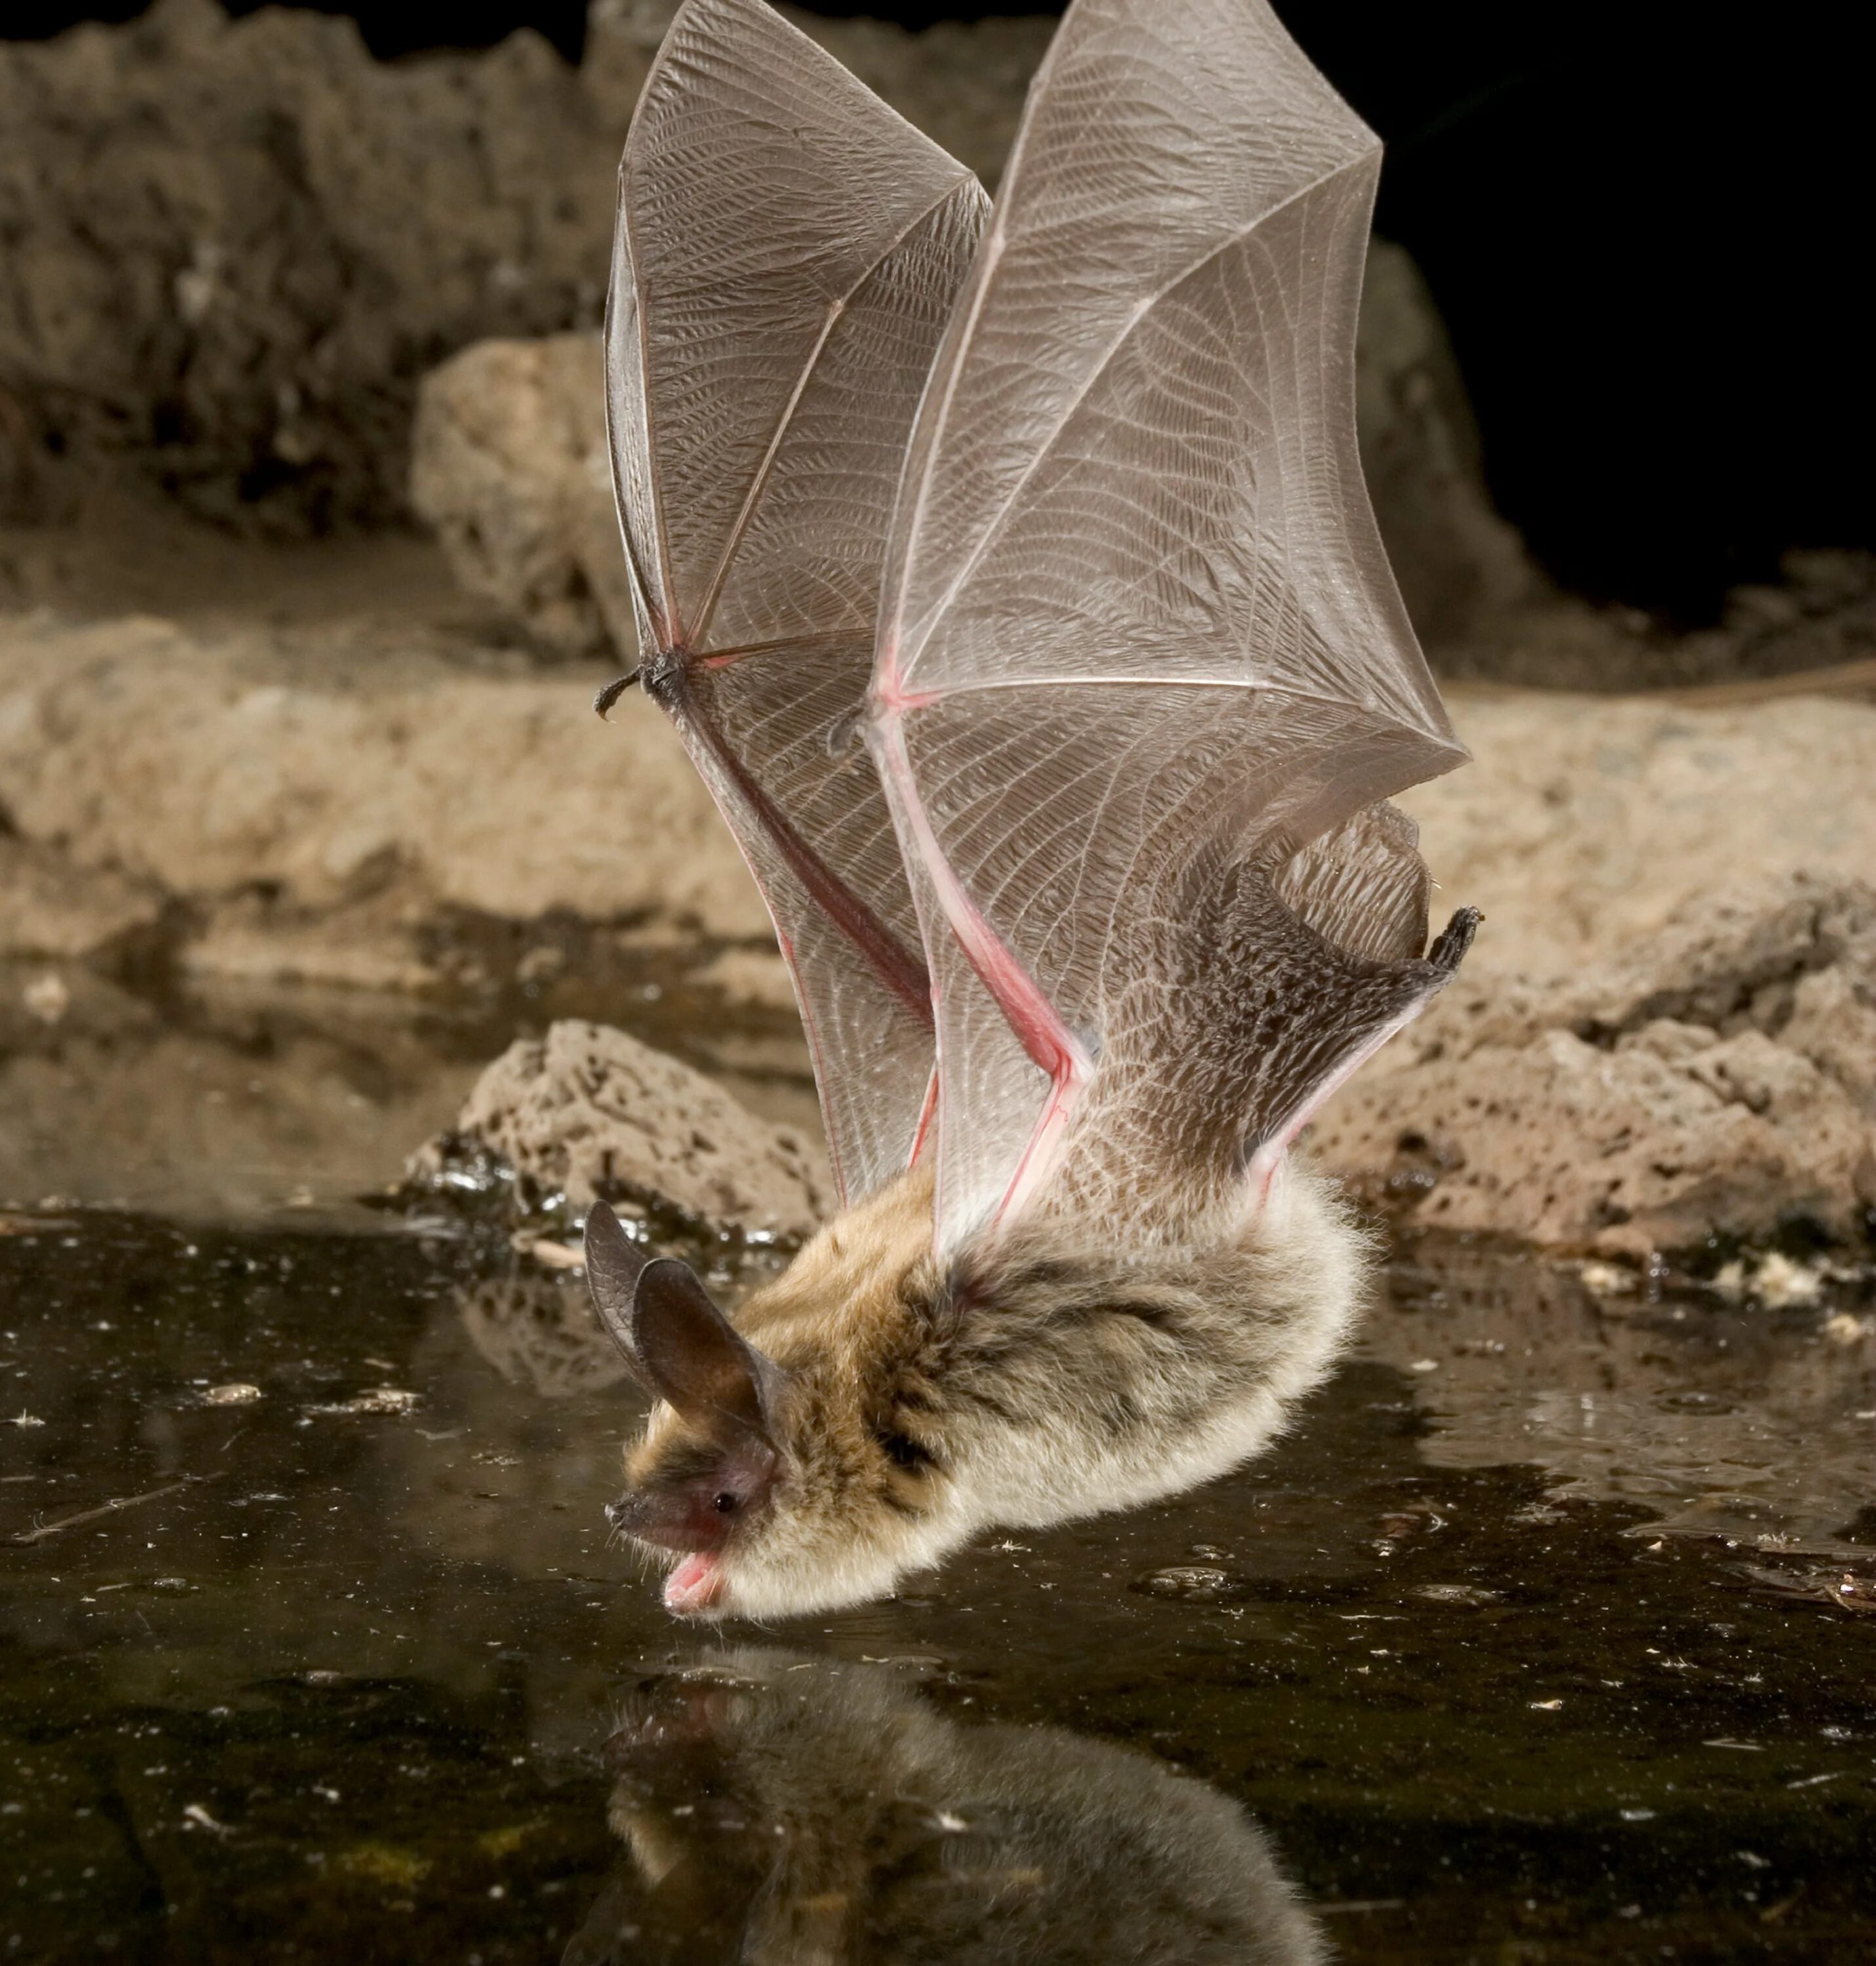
pixel 210 763
pixel 49 907
pixel 1721 1079
pixel 587 1111
pixel 509 467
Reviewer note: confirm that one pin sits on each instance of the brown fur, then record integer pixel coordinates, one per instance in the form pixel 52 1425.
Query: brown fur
pixel 1047 1376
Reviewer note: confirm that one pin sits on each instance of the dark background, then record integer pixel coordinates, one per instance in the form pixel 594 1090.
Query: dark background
pixel 1646 227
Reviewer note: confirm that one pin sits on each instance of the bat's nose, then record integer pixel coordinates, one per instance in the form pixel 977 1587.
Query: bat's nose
pixel 615 1512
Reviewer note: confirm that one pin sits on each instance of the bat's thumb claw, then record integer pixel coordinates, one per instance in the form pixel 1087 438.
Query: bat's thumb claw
pixel 1449 949
pixel 612 691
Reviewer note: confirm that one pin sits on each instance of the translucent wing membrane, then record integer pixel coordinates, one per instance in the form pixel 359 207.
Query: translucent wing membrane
pixel 787 253
pixel 1143 674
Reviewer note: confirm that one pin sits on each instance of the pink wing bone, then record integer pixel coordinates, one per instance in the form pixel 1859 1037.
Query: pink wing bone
pixel 1135 464
pixel 1051 1045
pixel 788 250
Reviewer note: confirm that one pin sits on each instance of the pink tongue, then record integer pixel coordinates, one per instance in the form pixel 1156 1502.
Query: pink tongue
pixel 692 1586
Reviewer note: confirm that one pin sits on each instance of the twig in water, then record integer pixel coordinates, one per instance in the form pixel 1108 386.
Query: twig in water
pixel 23 1537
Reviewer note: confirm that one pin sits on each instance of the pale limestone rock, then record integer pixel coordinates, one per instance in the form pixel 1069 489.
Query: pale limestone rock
pixel 509 467
pixel 587 1111
pixel 1584 822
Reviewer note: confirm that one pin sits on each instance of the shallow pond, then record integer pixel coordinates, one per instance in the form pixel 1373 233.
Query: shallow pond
pixel 1547 1636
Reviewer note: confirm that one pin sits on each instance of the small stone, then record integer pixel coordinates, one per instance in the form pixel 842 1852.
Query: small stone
pixel 385 1400
pixel 1472 1595
pixel 47 998
pixel 545 1251
pixel 1778 1283
pixel 237 1393
pixel 374 1400
pixel 1196 1583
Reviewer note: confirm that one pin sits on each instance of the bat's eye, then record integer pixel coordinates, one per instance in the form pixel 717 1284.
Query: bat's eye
pixel 725 1503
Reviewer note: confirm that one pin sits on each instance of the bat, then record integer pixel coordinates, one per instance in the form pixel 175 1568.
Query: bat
pixel 1008 572
pixel 747 1836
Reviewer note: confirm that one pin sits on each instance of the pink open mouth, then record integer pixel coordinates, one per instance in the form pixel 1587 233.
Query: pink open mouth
pixel 695 1585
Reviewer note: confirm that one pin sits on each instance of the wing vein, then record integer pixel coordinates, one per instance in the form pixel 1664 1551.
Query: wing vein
pixel 1140 311
pixel 665 619
pixel 836 308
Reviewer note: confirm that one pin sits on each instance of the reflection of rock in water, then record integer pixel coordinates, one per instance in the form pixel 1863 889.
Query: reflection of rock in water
pixel 792 1811
pixel 1724 1418
pixel 539 1331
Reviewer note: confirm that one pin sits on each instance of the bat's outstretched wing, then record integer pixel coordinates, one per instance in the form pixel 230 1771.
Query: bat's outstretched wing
pixel 788 253
pixel 1143 672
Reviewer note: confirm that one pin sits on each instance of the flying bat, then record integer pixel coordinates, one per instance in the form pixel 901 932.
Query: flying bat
pixel 1009 574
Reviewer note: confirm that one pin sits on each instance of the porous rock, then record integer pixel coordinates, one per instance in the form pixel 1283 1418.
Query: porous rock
pixel 586 1111
pixel 1718 1078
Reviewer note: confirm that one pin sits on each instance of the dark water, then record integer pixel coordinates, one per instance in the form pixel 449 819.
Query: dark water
pixel 1497 1659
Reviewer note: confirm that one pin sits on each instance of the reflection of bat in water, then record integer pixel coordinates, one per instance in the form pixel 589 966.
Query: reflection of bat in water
pixel 1057 506
pixel 795 1812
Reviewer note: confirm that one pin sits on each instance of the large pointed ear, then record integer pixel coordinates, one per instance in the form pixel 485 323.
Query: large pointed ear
pixel 613 1265
pixel 696 1358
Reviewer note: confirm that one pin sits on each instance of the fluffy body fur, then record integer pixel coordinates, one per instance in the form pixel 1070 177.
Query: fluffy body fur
pixel 1052 1376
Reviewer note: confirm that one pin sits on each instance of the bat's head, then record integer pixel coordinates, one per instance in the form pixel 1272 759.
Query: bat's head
pixel 781 1471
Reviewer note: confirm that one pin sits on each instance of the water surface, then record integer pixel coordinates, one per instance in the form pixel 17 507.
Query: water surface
pixel 1497 1658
